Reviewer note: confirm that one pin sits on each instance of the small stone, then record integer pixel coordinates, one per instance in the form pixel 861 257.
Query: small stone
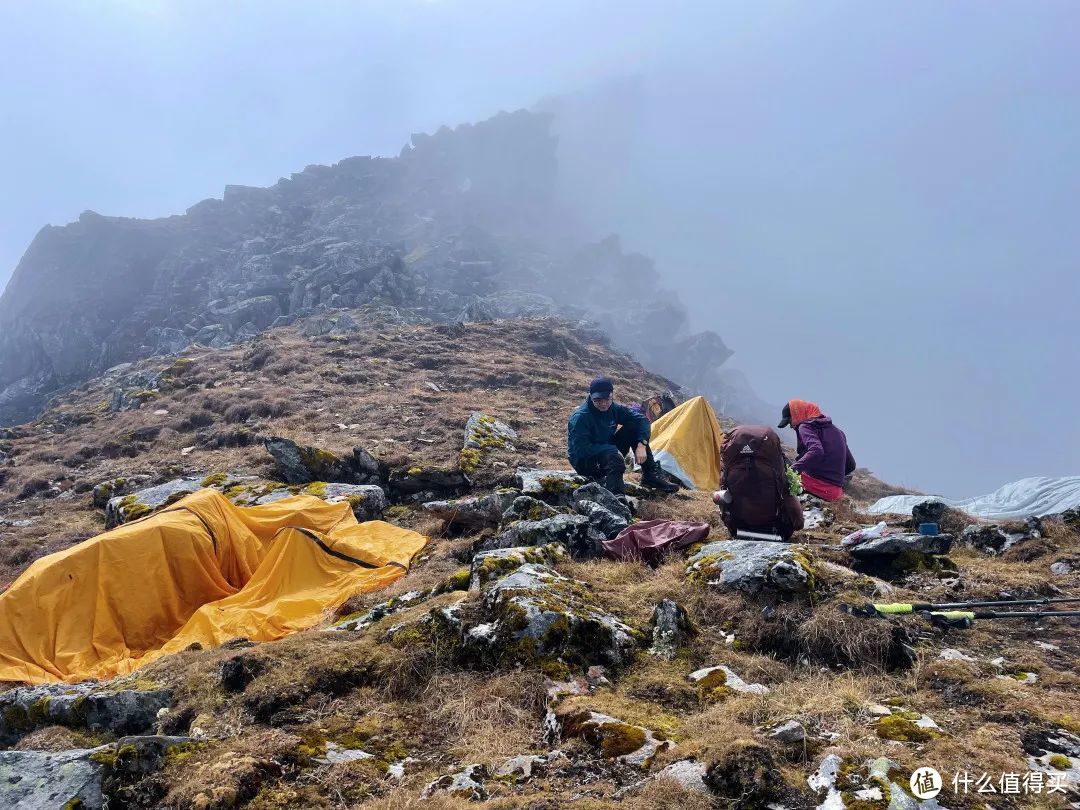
pixel 950 654
pixel 686 773
pixel 522 768
pixel 789 733
pixel 878 710
pixel 731 680
pixel 670 628
pixel 468 783
pixel 336 755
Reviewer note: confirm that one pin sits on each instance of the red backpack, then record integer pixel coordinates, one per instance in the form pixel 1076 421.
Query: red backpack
pixel 754 473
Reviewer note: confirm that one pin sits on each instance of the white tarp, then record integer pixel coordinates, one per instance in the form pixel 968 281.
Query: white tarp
pixel 1015 501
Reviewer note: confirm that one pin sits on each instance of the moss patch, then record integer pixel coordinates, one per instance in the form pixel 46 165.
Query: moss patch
pixel 896 727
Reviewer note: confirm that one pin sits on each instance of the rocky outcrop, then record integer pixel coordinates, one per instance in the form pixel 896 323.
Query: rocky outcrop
pixel 753 567
pixel 297 464
pixel 613 738
pixel 576 532
pixel 436 233
pixel 472 513
pixel 81 706
pixel 536 614
pixel 670 628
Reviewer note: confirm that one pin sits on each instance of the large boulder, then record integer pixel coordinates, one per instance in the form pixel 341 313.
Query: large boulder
pixel 123 508
pixel 418 484
pixel 553 486
pixel 753 567
pixel 484 432
pixel 488 566
pixel 36 780
pixel 573 531
pixel 536 615
pixel 892 545
pixel 119 711
pixel 298 464
pixel 526 507
pixel 605 522
pixel 472 513
pixel 985 538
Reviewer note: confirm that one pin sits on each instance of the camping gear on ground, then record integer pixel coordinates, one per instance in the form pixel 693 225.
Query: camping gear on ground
pixel 755 472
pixel 929 529
pixel 963 614
pixel 861 535
pixel 686 443
pixel 1029 497
pixel 650 540
pixel 200 571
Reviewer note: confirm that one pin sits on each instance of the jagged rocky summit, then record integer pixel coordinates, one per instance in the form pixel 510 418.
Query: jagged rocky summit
pixel 461 226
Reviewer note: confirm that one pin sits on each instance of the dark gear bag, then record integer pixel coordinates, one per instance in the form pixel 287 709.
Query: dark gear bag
pixel 754 473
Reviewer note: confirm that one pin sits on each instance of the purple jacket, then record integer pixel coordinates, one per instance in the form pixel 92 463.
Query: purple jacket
pixel 823 452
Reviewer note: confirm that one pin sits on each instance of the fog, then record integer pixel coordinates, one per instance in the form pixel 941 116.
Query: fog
pixel 875 205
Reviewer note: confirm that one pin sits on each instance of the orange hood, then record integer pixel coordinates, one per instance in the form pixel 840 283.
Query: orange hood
pixel 801 410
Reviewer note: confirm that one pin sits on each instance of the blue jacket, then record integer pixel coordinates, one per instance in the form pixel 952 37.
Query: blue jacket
pixel 590 431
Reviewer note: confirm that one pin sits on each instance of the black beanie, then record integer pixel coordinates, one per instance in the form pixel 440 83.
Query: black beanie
pixel 601 385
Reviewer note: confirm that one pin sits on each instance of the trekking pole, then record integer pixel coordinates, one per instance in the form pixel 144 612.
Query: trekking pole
pixel 904 608
pixel 965 618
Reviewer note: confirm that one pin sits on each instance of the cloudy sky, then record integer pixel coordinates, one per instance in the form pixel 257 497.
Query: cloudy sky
pixel 875 204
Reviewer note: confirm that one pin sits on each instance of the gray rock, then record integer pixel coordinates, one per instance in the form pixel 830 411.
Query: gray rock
pixel 484 432
pixel 670 628
pixel 606 523
pixel 553 486
pixel 598 494
pixel 491 565
pixel 526 507
pixel 121 711
pixel 336 755
pixel 522 768
pixel 367 500
pixel 472 513
pixel 609 734
pixel 892 545
pixel 32 780
pixel 416 484
pixel 686 773
pixel 120 509
pixel 990 539
pixel 789 733
pixel 1060 568
pixel 711 678
pixel 753 567
pixel 535 612
pixel 468 783
pixel 573 531
pixel 302 465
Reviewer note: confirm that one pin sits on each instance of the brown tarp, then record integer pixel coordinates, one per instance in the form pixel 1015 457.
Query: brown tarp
pixel 650 540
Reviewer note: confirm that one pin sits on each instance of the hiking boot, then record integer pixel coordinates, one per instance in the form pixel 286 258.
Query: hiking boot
pixel 653 476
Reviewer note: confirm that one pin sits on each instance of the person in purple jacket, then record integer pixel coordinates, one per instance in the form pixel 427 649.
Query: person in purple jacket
pixel 823 459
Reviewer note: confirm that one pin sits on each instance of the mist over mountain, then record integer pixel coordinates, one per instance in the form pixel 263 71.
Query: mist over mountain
pixel 465 225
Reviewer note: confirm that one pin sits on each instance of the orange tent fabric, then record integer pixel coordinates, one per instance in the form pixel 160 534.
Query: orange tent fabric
pixel 202 570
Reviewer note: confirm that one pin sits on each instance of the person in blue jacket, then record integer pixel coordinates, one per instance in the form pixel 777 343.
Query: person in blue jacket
pixel 599 433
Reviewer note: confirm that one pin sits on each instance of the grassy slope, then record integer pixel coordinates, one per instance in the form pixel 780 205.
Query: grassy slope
pixel 376 389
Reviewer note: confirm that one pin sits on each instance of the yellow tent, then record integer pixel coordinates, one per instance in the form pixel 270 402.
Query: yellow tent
pixel 686 442
pixel 202 570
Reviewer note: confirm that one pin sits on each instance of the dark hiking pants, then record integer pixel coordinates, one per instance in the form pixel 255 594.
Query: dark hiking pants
pixel 608 467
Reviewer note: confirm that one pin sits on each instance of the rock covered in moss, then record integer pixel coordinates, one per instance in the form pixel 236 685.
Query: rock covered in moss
pixel 753 567
pixel 534 615
pixel 87 705
pixel 485 432
pixel 670 628
pixel 468 783
pixel 687 773
pixel 615 739
pixel 488 566
pixel 472 513
pixel 573 531
pixel 553 486
pixel 714 683
pixel 526 507
pixel 124 508
pixel 418 484
pixel 299 464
